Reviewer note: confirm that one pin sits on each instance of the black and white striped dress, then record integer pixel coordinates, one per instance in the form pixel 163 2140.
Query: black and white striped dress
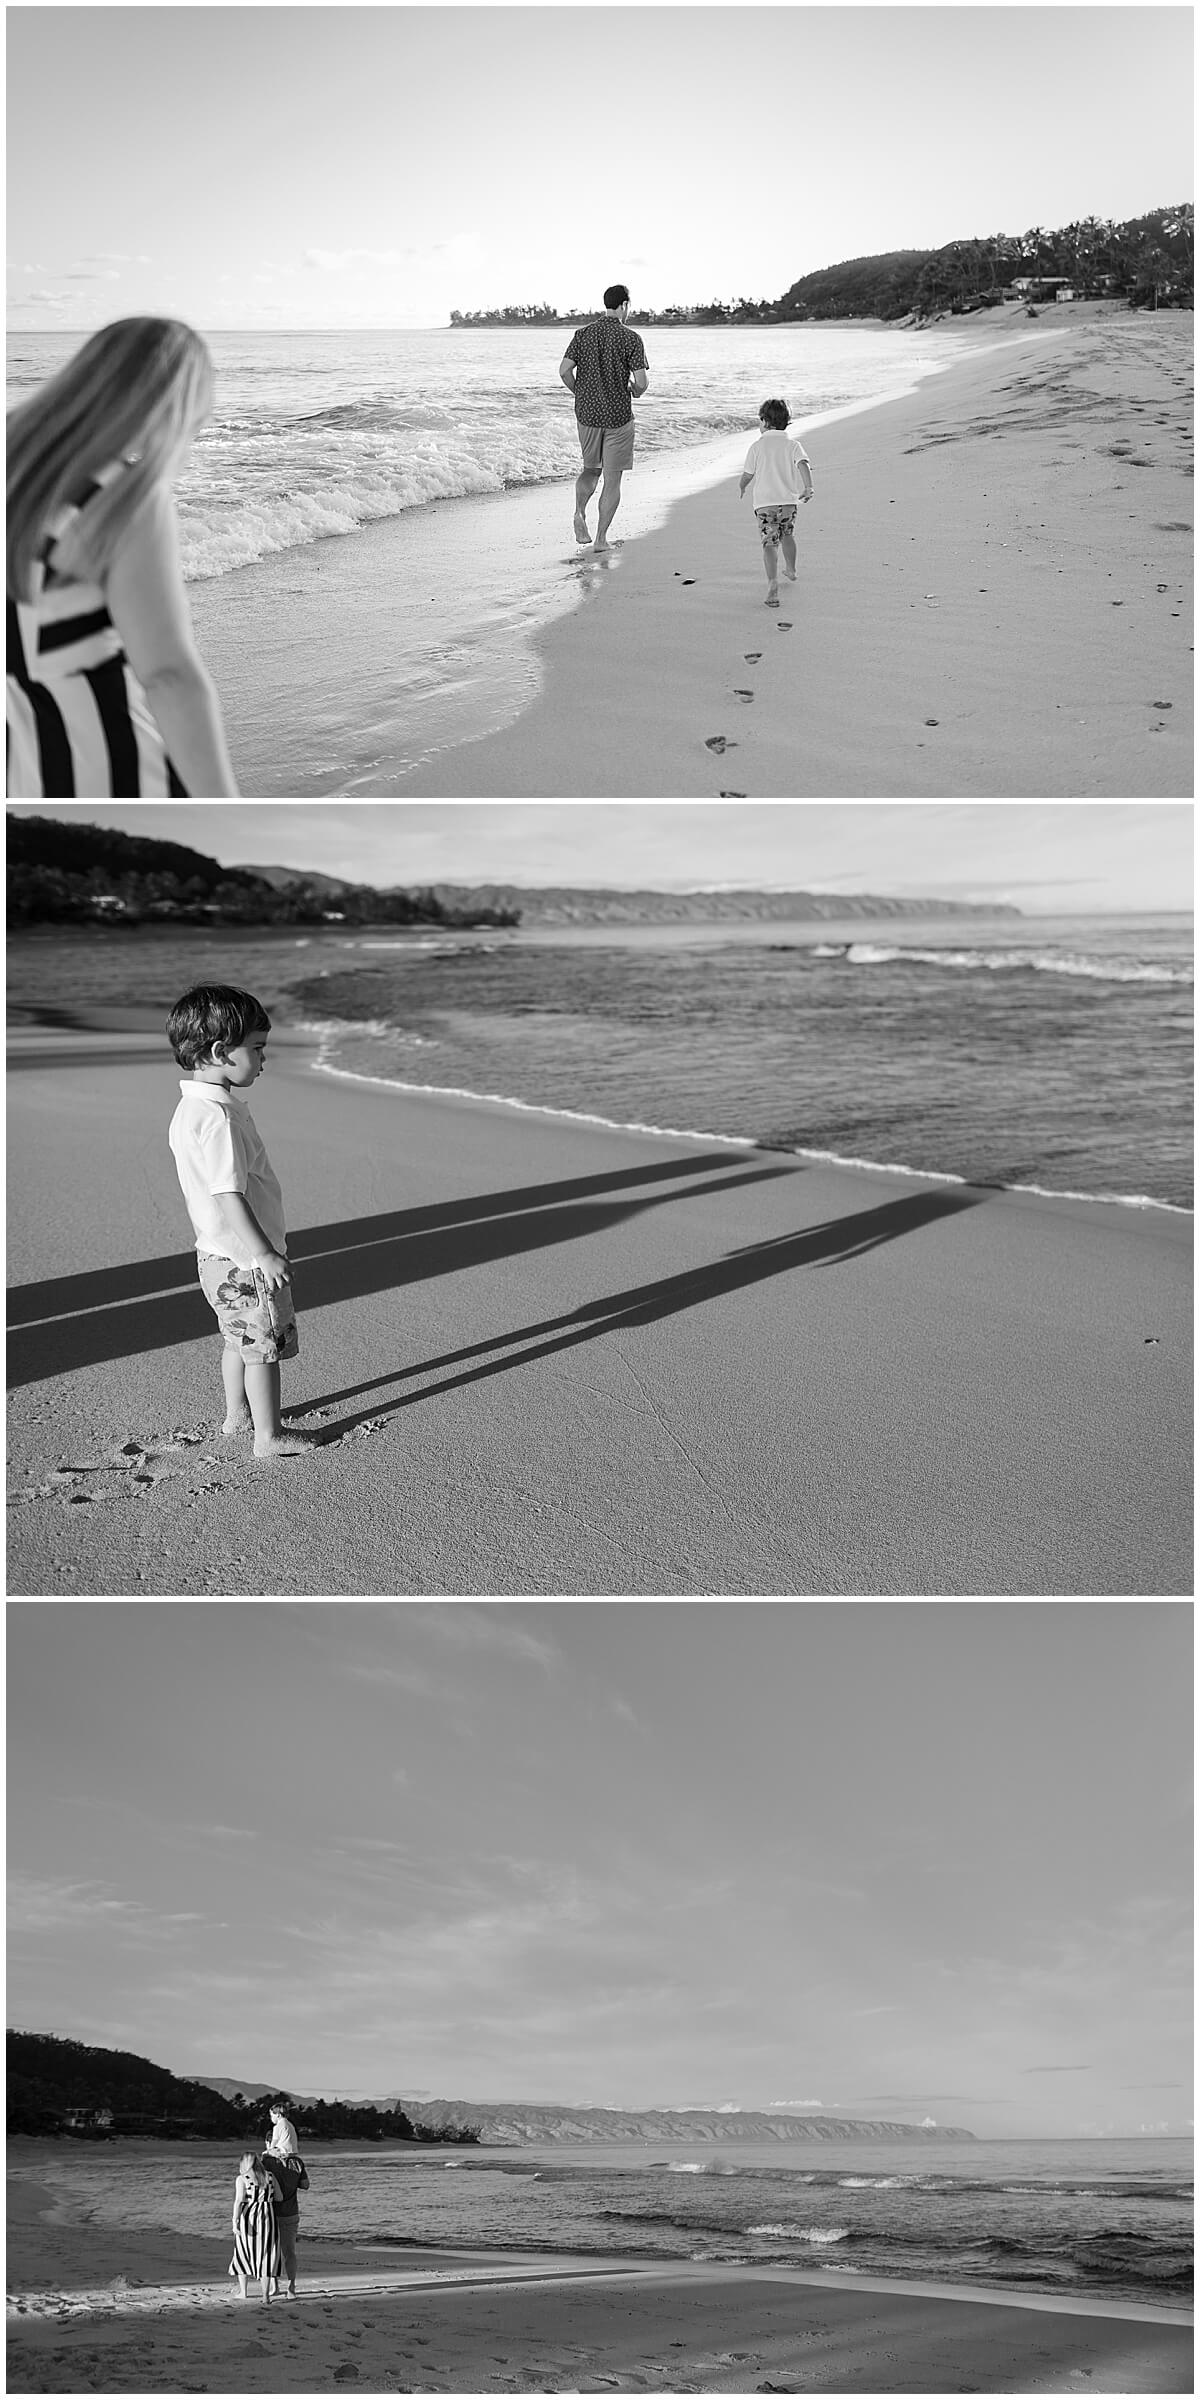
pixel 256 2251
pixel 78 722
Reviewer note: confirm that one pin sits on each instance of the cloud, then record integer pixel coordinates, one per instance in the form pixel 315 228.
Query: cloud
pixel 621 1708
pixel 38 1904
pixel 1084 2070
pixel 464 1627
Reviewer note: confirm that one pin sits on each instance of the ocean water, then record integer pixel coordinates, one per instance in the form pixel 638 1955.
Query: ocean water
pixel 446 462
pixel 1043 1053
pixel 318 434
pixel 1105 2220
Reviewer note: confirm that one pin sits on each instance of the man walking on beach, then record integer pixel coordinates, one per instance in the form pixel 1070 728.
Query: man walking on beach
pixel 603 364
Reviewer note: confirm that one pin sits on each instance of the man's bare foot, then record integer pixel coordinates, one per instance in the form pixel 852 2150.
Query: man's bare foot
pixel 581 531
pixel 789 574
pixel 772 599
pixel 241 1423
pixel 287 1443
pixel 599 546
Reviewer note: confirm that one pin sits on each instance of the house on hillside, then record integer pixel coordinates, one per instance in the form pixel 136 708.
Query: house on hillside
pixel 1043 287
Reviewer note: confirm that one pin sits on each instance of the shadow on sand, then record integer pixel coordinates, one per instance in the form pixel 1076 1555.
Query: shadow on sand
pixel 84 1320
pixel 830 1244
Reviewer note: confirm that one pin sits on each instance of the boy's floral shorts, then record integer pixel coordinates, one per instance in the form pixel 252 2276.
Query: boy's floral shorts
pixel 255 1322
pixel 773 523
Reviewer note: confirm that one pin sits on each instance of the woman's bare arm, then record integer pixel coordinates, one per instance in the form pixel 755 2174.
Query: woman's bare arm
pixel 148 605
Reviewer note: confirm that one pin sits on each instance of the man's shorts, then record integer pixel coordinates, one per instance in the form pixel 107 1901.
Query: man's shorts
pixel 256 1322
pixel 607 446
pixel 773 523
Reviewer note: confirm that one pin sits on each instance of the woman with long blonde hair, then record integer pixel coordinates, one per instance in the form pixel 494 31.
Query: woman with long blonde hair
pixel 107 696
pixel 257 2257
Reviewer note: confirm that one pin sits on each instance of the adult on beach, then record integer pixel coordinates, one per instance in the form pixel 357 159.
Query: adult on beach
pixel 257 2256
pixel 107 696
pixel 603 363
pixel 289 2174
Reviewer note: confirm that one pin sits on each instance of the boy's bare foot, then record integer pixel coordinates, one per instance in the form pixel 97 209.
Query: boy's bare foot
pixel 789 574
pixel 772 599
pixel 599 546
pixel 581 531
pixel 241 1423
pixel 285 1444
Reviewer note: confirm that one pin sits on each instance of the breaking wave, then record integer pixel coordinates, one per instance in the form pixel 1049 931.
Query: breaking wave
pixel 1007 962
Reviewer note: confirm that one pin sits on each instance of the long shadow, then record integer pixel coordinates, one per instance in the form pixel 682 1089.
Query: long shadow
pixel 831 1243
pixel 21 1062
pixel 83 1320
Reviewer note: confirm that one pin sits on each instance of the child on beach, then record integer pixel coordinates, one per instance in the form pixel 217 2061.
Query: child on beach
pixel 781 474
pixel 220 1036
pixel 283 2142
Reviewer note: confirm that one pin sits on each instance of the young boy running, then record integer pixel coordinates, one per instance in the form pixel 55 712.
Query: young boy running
pixel 781 474
pixel 219 1036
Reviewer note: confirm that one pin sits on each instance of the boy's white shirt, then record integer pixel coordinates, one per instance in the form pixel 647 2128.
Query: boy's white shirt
pixel 218 1148
pixel 777 464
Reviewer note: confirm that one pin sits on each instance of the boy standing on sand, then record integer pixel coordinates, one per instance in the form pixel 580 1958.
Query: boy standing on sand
pixel 220 1036
pixel 781 475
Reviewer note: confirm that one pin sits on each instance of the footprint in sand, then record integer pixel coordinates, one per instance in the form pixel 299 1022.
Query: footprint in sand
pixel 740 695
pixel 733 795
pixel 752 657
pixel 717 742
pixel 784 625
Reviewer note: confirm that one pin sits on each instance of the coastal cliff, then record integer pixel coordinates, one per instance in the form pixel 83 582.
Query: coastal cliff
pixel 563 906
pixel 501 2121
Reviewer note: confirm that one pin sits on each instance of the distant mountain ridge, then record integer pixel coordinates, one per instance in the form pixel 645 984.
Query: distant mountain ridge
pixel 567 904
pixel 515 2122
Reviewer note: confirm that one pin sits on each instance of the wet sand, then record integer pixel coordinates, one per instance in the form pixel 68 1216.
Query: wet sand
pixel 100 2309
pixel 994 602
pixel 553 1357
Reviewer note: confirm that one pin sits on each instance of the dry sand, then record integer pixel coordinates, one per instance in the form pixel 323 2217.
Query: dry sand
pixel 994 601
pixel 553 1357
pixel 93 2309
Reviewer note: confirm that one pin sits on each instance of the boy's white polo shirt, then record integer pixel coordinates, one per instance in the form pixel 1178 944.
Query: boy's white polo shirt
pixel 217 1147
pixel 774 460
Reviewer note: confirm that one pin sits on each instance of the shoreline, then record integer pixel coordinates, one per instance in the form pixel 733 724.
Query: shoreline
pixel 631 1337
pixel 1013 461
pixel 466 586
pixel 734 1141
pixel 583 2326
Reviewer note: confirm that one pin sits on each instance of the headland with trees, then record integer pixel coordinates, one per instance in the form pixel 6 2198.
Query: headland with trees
pixel 1145 261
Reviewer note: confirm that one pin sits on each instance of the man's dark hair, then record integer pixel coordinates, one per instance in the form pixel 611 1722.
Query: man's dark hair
pixel 616 295
pixel 776 414
pixel 280 2100
pixel 209 1013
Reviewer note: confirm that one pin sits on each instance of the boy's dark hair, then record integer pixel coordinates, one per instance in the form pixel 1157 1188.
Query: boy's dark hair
pixel 616 295
pixel 209 1013
pixel 776 414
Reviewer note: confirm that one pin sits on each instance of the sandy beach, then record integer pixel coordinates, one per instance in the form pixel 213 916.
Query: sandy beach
pixel 96 2309
pixel 551 1357
pixel 994 601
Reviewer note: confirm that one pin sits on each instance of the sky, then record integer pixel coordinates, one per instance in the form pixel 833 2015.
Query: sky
pixel 249 167
pixel 1047 858
pixel 898 1859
